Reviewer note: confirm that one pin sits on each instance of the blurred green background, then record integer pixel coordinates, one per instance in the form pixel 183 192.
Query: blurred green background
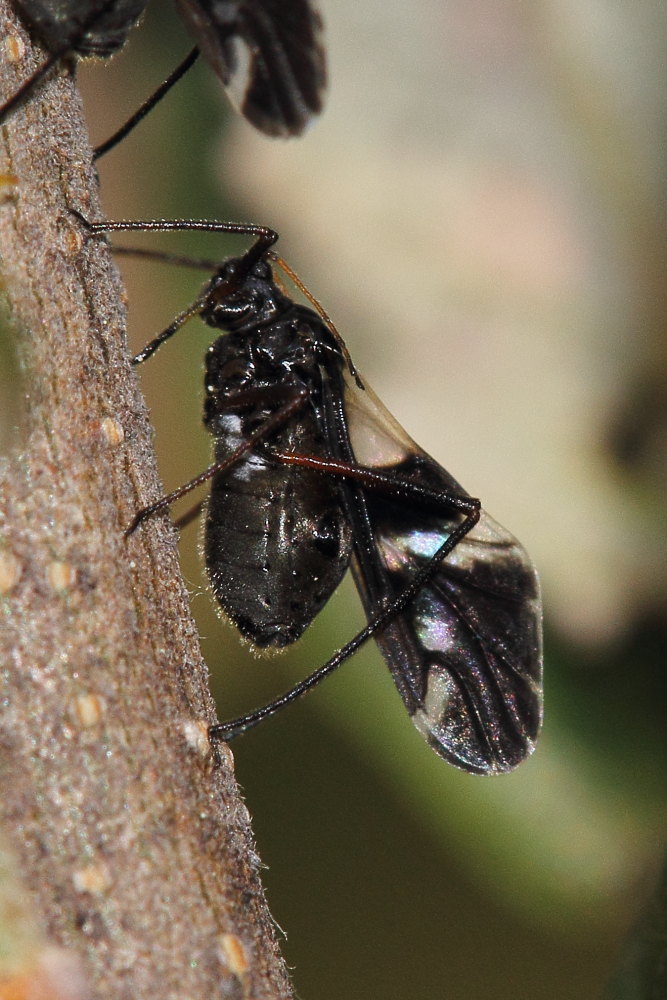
pixel 481 210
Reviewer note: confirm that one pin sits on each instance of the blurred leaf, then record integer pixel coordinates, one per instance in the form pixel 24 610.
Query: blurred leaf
pixel 642 973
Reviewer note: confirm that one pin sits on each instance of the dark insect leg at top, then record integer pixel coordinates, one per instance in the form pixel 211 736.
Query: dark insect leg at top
pixel 145 109
pixel 312 475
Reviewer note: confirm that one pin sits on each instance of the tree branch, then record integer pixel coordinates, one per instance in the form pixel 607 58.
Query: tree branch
pixel 132 839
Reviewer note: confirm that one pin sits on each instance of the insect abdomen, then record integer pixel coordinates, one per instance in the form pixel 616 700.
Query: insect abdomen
pixel 276 547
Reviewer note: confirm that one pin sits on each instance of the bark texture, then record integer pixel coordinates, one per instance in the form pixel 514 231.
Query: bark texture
pixel 133 843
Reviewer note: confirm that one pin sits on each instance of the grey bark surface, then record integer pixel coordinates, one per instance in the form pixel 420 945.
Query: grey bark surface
pixel 132 840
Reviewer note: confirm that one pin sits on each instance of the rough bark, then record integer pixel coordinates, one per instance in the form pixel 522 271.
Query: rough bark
pixel 133 844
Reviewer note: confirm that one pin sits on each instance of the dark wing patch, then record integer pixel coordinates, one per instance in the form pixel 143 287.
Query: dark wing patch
pixel 269 56
pixel 466 654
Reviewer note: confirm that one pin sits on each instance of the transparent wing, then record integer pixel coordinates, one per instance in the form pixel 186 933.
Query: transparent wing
pixel 466 655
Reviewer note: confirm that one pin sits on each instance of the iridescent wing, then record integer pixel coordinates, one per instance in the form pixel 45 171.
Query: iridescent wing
pixel 268 54
pixel 466 654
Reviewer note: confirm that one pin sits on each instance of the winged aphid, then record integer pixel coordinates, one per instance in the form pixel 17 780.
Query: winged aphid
pixel 312 474
pixel 268 53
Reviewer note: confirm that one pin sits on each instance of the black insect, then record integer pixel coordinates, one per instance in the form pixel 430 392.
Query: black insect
pixel 312 474
pixel 268 53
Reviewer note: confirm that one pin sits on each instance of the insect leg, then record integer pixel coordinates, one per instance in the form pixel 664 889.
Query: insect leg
pixel 228 730
pixel 23 93
pixel 27 87
pixel 190 515
pixel 274 422
pixel 390 484
pixel 175 325
pixel 182 318
pixel 251 396
pixel 147 105
pixel 180 260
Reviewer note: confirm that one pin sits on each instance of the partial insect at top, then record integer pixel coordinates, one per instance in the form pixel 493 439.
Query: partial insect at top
pixel 268 53
pixel 86 27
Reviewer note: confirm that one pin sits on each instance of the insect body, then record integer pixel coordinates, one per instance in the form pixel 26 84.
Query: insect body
pixel 73 27
pixel 268 53
pixel 87 27
pixel 312 474
pixel 277 538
